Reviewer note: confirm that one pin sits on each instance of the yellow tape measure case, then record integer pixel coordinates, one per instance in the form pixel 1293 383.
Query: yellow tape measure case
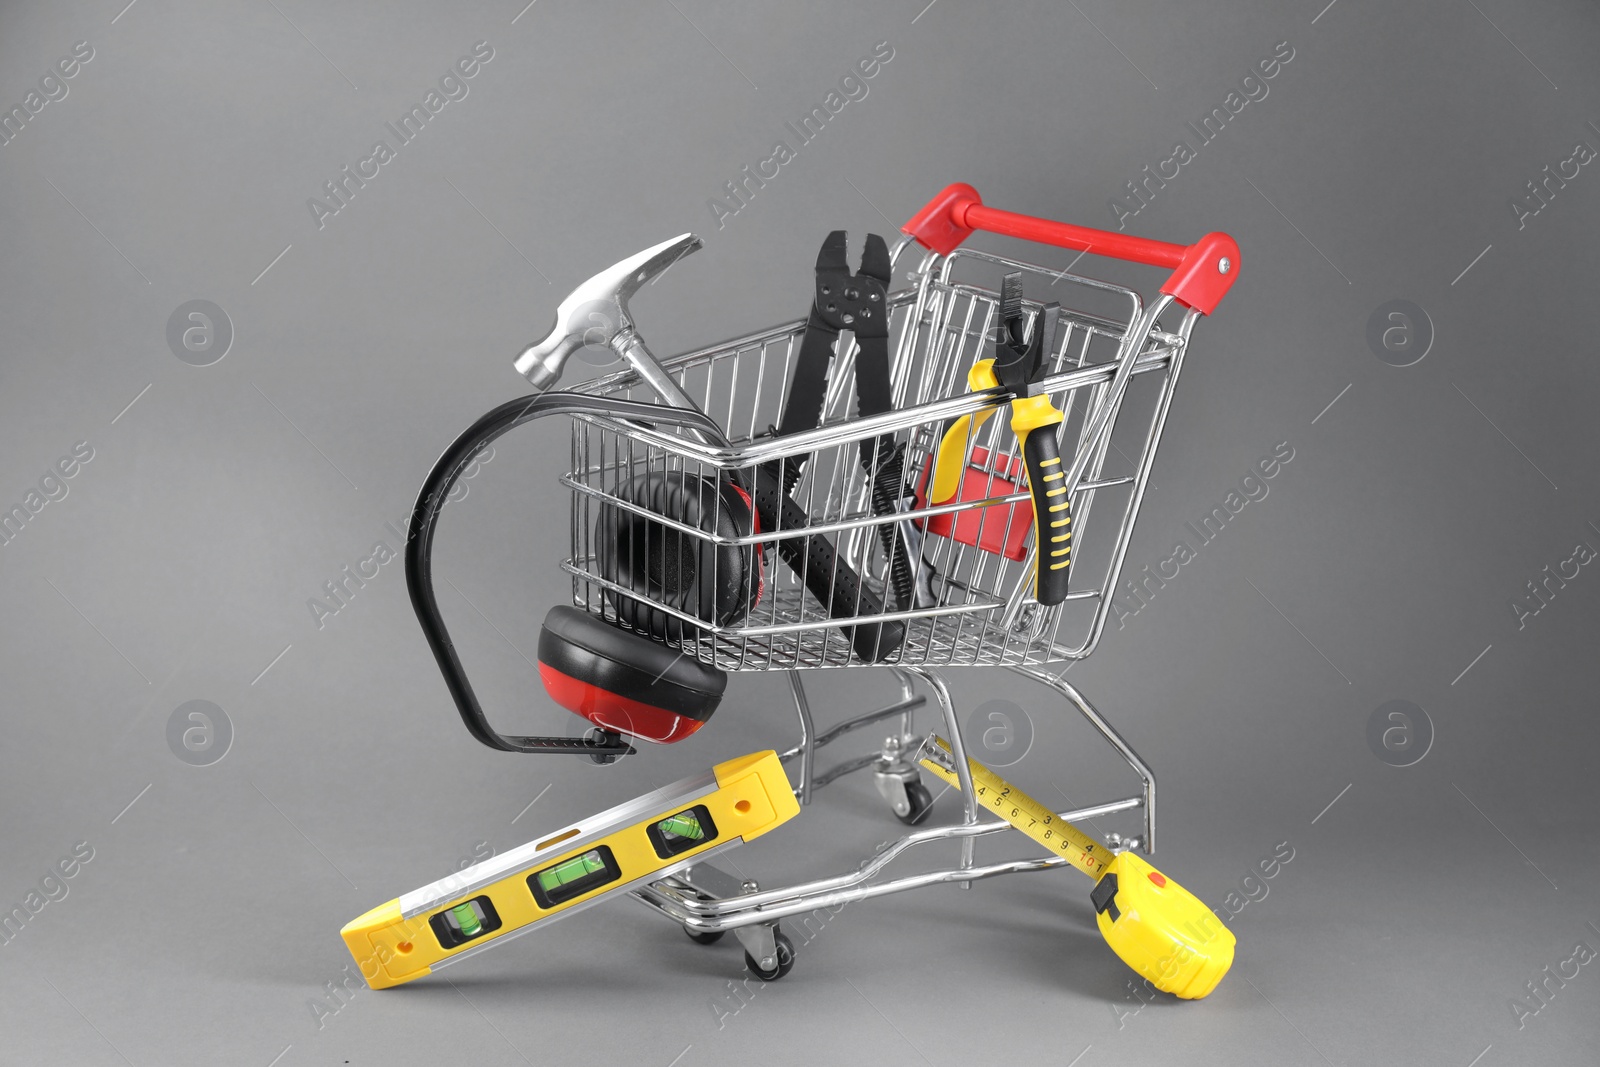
pixel 1160 929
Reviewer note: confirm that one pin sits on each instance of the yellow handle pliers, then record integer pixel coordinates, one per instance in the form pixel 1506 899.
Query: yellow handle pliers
pixel 1020 350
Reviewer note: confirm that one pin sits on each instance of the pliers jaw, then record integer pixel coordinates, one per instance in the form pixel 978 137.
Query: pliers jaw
pixel 1023 338
pixel 856 302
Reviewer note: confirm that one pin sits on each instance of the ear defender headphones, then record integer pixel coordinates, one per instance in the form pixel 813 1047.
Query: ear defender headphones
pixel 626 679
pixel 627 683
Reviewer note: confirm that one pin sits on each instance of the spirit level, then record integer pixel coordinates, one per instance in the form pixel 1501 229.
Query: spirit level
pixel 640 841
pixel 1160 929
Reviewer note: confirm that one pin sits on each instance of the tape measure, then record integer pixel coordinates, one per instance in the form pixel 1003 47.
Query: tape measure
pixel 640 841
pixel 1157 927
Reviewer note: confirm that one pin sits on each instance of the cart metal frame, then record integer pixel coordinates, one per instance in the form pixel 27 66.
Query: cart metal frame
pixel 983 614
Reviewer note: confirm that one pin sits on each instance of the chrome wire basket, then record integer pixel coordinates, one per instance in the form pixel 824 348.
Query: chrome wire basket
pixel 1112 372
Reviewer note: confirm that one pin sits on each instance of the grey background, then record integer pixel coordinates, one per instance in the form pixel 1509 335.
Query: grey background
pixel 179 565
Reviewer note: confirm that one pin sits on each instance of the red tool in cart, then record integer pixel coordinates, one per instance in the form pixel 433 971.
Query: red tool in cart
pixel 832 492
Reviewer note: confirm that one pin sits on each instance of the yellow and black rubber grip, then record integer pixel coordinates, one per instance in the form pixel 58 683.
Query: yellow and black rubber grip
pixel 1035 421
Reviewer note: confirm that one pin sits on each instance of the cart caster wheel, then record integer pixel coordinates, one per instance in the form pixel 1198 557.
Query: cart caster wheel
pixel 921 802
pixel 785 960
pixel 709 937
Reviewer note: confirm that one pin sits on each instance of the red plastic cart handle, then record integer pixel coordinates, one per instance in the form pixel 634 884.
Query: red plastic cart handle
pixel 1202 272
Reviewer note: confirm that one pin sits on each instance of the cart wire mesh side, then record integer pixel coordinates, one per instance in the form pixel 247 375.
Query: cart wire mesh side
pixel 1112 372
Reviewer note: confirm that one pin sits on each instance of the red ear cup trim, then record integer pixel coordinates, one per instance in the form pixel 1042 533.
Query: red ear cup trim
pixel 617 713
pixel 624 681
pixel 760 557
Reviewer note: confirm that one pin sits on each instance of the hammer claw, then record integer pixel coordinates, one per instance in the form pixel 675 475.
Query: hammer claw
pixel 596 312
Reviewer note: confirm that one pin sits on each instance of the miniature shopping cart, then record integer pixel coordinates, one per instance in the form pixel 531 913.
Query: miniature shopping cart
pixel 1110 371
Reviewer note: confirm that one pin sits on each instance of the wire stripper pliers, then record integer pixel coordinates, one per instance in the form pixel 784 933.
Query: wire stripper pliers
pixel 859 302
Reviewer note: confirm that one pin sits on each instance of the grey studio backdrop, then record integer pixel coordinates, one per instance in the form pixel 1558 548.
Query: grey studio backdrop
pixel 1429 542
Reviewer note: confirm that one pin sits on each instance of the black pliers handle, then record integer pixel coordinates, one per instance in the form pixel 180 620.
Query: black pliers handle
pixel 859 303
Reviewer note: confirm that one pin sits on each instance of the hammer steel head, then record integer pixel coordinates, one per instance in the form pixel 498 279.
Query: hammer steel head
pixel 597 311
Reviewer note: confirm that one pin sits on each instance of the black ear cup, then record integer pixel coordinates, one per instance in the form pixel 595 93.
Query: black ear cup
pixel 691 574
pixel 623 681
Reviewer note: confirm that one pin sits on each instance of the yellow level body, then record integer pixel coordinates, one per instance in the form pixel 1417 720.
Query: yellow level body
pixel 1157 927
pixel 637 842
